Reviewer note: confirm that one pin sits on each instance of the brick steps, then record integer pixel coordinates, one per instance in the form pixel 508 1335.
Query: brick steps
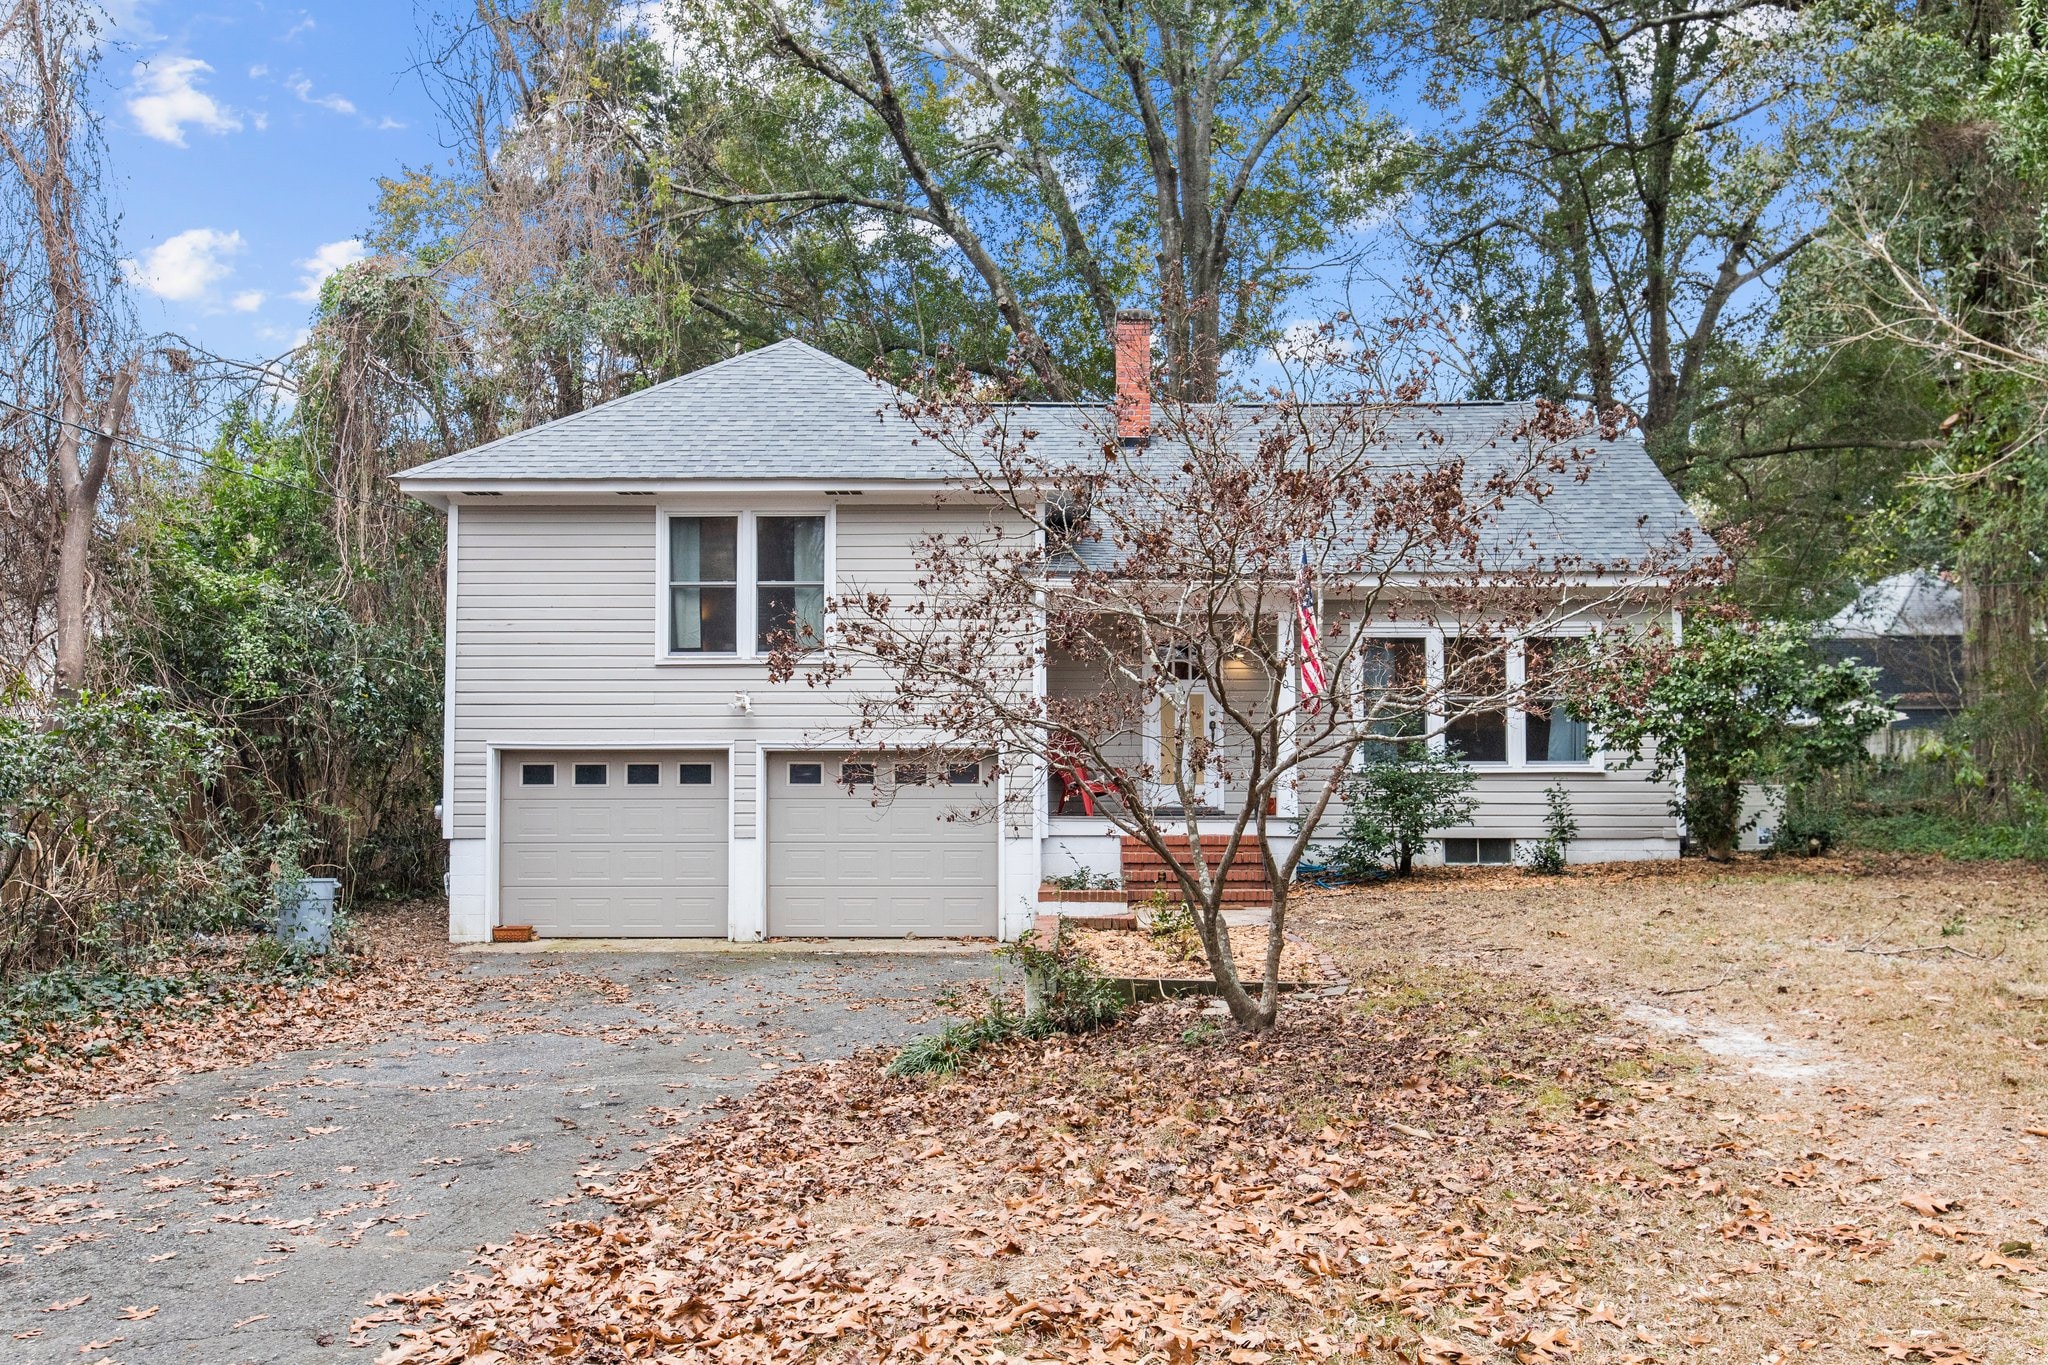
pixel 1145 871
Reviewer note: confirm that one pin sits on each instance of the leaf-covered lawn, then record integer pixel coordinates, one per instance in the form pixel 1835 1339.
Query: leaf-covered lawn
pixel 1448 1165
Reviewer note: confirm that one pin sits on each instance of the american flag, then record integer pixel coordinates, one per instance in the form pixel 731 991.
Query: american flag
pixel 1310 637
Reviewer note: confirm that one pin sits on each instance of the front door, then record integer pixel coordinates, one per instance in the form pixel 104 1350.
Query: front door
pixel 1180 720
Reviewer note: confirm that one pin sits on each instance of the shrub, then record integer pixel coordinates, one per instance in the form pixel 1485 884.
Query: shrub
pixel 946 1051
pixel 1171 925
pixel 108 843
pixel 1560 827
pixel 1071 996
pixel 1740 702
pixel 1084 879
pixel 1392 804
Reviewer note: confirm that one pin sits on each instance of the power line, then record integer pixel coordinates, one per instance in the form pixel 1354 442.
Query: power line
pixel 186 454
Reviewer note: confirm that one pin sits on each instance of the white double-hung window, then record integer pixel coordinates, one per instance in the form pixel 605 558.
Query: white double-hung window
pixel 744 584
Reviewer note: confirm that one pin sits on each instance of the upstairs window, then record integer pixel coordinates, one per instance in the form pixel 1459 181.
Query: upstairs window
pixel 744 584
pixel 703 584
pixel 789 577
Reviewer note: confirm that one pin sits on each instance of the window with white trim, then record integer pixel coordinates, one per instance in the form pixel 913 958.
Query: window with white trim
pixel 743 584
pixel 1393 682
pixel 1475 673
pixel 1550 732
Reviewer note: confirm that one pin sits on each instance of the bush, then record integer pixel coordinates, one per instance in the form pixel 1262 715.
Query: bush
pixel 1933 803
pixel 1171 926
pixel 110 844
pixel 1082 879
pixel 1560 827
pixel 1392 804
pixel 1070 995
pixel 1740 702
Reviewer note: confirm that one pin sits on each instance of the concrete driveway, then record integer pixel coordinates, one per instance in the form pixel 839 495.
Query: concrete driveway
pixel 254 1215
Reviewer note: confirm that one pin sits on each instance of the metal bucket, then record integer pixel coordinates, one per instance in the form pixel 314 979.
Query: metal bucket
pixel 307 921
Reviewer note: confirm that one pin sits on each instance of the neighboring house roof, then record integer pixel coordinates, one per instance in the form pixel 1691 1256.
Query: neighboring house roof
pixel 790 411
pixel 1913 603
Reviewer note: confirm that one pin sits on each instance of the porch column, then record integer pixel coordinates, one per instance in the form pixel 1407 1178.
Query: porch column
pixel 1287 797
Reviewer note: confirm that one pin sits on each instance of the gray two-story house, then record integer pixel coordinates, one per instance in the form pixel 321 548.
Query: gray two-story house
pixel 618 762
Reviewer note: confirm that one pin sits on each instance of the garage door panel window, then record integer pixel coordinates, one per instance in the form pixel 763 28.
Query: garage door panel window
pixel 593 774
pixel 536 774
pixel 806 774
pixel 912 774
pixel 643 774
pixel 693 774
pixel 857 774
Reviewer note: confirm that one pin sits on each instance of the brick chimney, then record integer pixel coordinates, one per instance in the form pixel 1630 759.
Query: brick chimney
pixel 1134 375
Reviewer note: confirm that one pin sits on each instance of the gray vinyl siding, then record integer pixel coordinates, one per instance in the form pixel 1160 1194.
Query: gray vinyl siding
pixel 557 626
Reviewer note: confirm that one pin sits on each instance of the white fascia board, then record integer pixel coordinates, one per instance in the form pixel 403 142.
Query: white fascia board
pixel 439 490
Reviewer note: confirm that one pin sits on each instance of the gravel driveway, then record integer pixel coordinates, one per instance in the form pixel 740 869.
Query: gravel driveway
pixel 255 1214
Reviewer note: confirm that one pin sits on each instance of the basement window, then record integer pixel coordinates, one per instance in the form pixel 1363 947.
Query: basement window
pixel 1487 852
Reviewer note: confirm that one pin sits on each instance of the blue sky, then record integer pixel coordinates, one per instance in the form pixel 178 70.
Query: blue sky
pixel 246 140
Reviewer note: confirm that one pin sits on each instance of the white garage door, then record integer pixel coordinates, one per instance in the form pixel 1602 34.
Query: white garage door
pixel 614 845
pixel 865 848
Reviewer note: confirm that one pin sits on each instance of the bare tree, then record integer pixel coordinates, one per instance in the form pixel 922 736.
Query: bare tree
pixel 70 378
pixel 1162 574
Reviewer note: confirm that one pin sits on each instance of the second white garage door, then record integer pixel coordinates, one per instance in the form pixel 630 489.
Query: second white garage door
pixel 614 845
pixel 860 848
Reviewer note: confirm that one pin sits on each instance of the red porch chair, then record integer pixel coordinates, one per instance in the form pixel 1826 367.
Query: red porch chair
pixel 1074 779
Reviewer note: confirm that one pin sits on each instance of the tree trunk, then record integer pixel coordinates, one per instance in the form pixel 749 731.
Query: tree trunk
pixel 81 487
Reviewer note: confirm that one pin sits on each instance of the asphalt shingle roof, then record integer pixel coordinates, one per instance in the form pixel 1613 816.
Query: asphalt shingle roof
pixel 790 411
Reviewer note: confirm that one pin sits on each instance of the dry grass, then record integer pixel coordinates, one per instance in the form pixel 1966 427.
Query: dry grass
pixel 1938 971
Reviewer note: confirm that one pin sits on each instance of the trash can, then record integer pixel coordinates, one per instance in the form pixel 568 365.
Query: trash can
pixel 306 920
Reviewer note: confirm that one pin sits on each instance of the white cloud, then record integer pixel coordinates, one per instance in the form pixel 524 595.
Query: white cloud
pixel 187 266
pixel 325 260
pixel 258 72
pixel 170 100
pixel 303 88
pixel 305 25
pixel 248 301
pixel 388 124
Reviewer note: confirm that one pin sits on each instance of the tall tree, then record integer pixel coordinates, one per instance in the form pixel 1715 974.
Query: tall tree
pixel 1080 156
pixel 69 370
pixel 1619 185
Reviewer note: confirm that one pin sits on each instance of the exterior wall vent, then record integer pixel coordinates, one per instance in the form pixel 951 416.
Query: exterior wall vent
pixel 481 493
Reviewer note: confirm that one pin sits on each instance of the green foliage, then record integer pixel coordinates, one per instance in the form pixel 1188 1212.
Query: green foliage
pixel 1392 804
pixel 946 1051
pixel 1932 803
pixel 1085 879
pixel 1740 702
pixel 1170 923
pixel 1070 995
pixel 1560 827
pixel 111 843
pixel 317 665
